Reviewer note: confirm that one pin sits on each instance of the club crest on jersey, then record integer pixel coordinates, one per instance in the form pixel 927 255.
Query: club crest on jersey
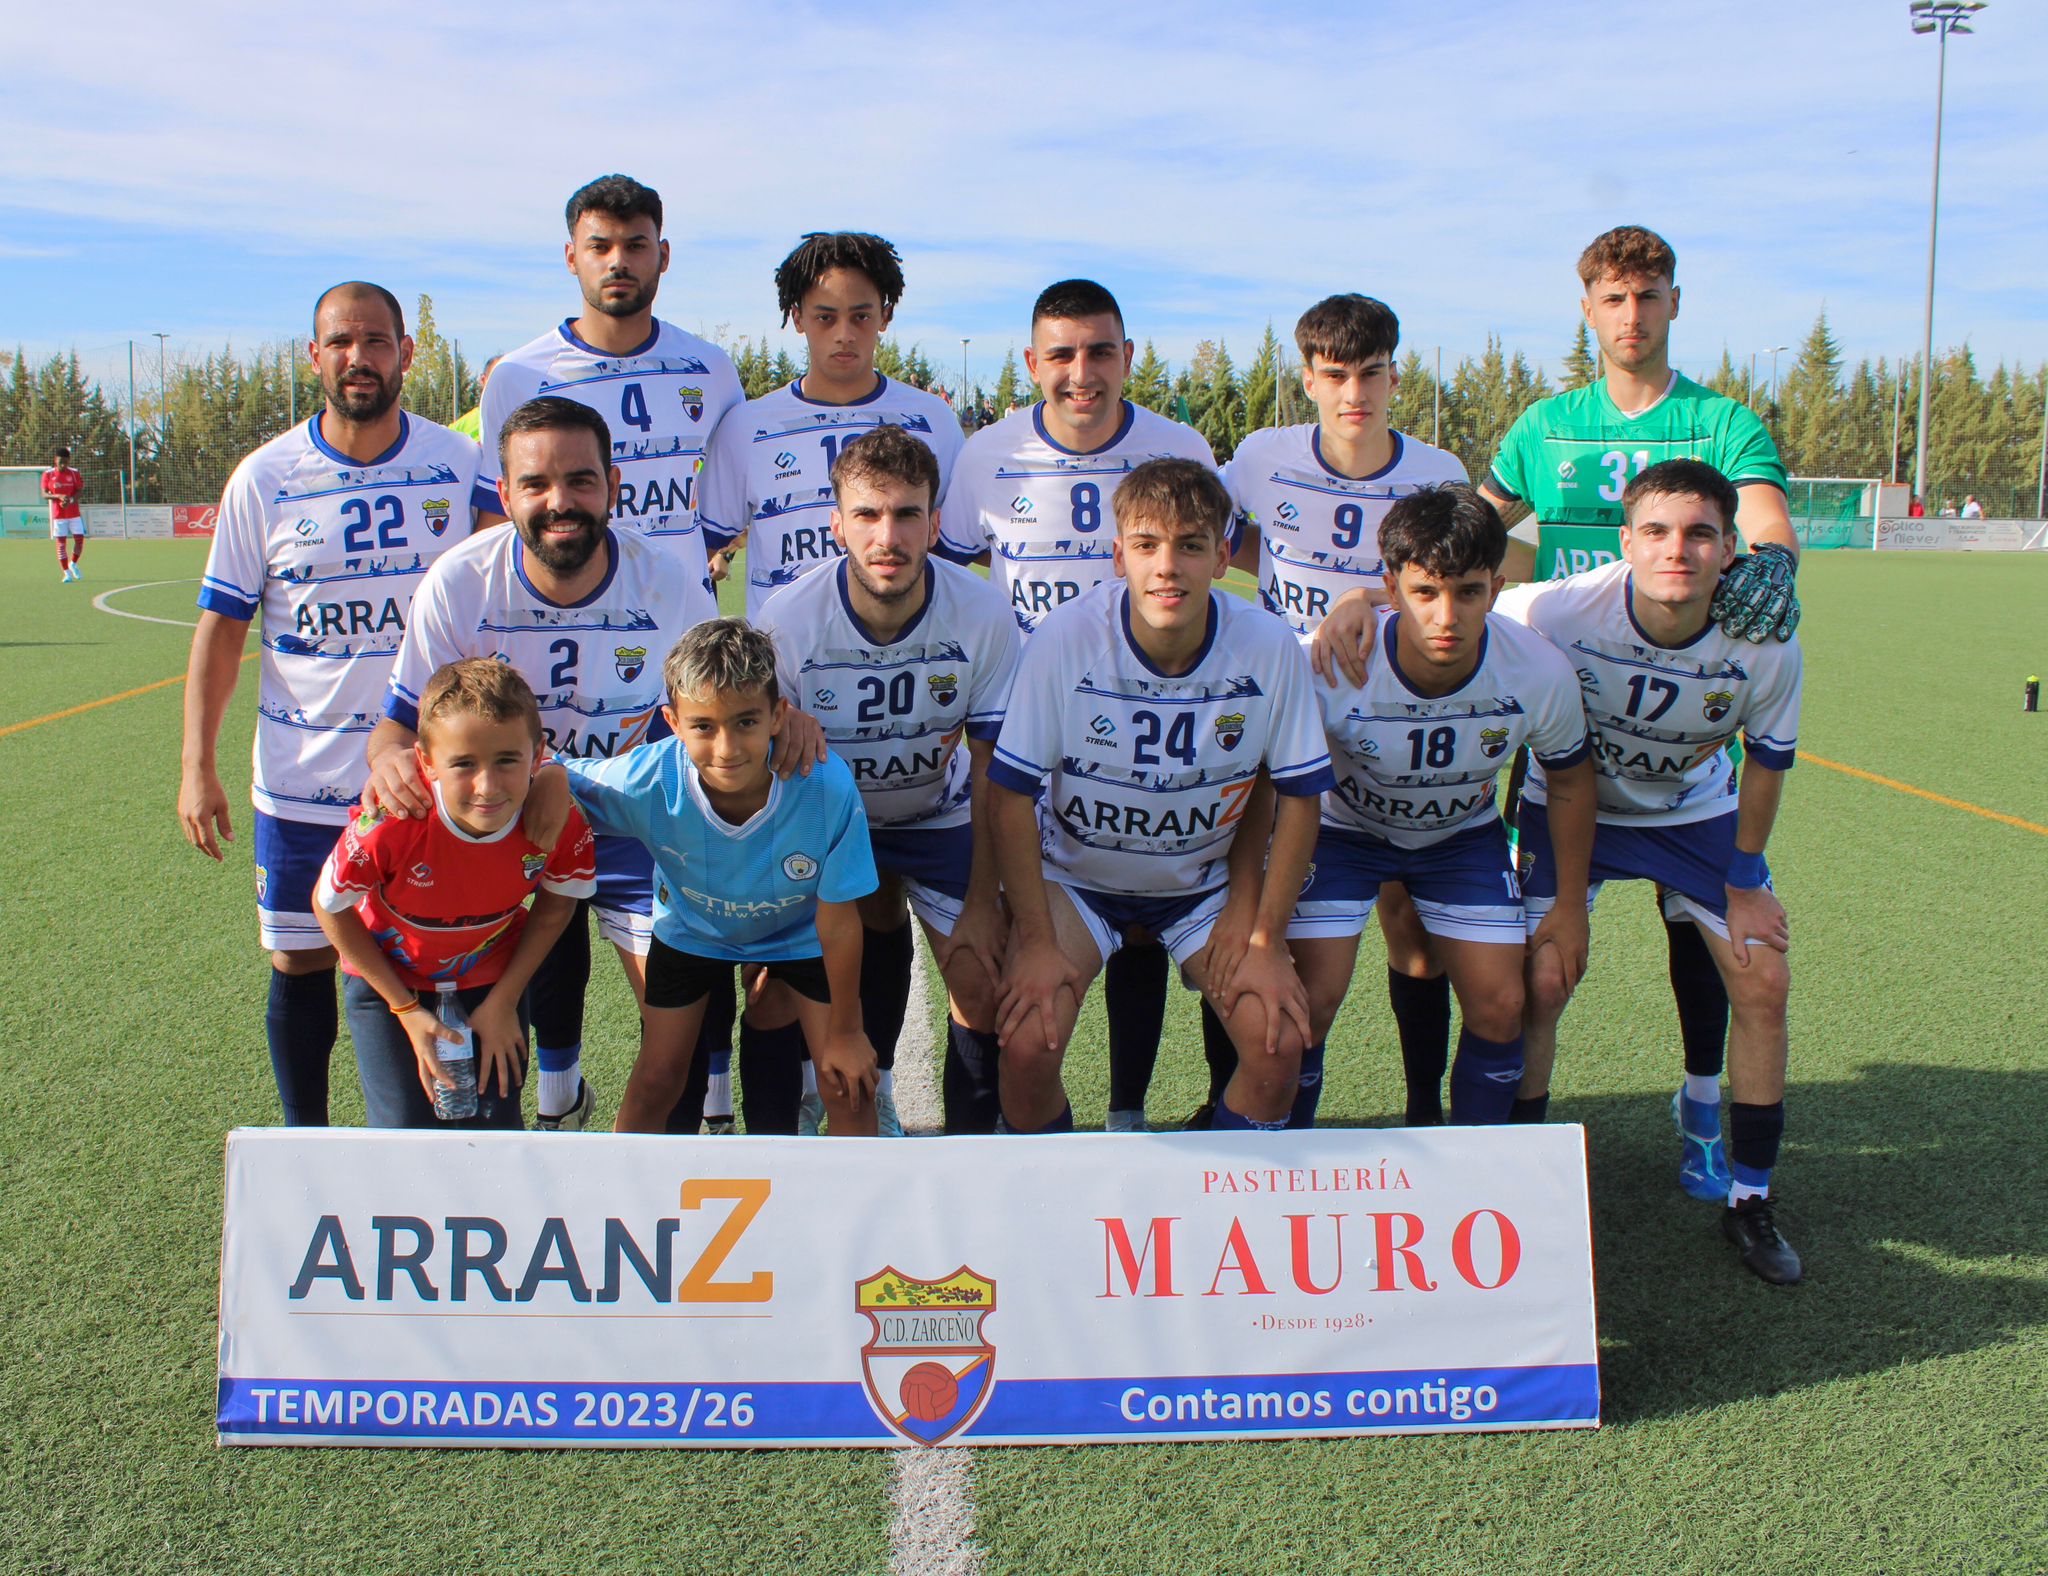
pixel 436 511
pixel 531 865
pixel 631 661
pixel 1493 742
pixel 262 883
pixel 1716 704
pixel 928 1367
pixel 945 687
pixel 799 867
pixel 693 402
pixel 1230 729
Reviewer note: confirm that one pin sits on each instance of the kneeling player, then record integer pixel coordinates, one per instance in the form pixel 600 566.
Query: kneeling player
pixel 1450 692
pixel 1666 690
pixel 901 656
pixel 1149 711
pixel 749 868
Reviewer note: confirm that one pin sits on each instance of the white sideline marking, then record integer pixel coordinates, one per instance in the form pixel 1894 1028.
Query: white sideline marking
pixel 100 602
pixel 931 1492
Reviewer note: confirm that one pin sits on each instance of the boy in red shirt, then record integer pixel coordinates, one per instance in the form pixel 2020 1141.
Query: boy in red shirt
pixel 410 903
pixel 62 487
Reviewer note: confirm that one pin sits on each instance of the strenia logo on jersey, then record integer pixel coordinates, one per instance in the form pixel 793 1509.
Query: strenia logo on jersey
pixel 785 461
pixel 1103 726
pixel 631 661
pixel 1230 729
pixel 1716 705
pixel 944 687
pixel 929 1368
pixel 1021 505
pixel 1286 511
pixel 1566 470
pixel 436 511
pixel 799 867
pixel 1493 742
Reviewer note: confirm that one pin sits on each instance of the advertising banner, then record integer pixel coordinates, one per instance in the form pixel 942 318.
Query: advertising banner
pixel 392 1288
pixel 1955 536
pixel 193 519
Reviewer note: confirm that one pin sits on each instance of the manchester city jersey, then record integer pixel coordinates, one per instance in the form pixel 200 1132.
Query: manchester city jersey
pixel 1414 769
pixel 1319 530
pixel 898 713
pixel 1146 774
pixel 1661 714
pixel 1042 511
pixel 333 552
pixel 769 474
pixel 661 403
pixel 747 892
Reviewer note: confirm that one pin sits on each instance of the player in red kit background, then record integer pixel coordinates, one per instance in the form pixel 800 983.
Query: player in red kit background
pixel 63 486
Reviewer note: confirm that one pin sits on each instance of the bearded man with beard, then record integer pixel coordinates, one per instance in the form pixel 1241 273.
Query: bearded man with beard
pixel 330 529
pixel 586 612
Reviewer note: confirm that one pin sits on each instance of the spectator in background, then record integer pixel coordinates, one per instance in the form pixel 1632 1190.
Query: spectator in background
pixel 1972 510
pixel 471 421
pixel 1917 509
pixel 1948 510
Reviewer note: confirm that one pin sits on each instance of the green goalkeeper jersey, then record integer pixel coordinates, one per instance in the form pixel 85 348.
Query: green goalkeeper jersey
pixel 1569 457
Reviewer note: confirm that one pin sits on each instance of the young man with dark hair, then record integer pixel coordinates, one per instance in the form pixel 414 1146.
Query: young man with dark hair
pixel 61 489
pixel 661 392
pixel 1667 689
pixel 329 529
pixel 1451 690
pixel 768 479
pixel 1030 498
pixel 908 661
pixel 1158 718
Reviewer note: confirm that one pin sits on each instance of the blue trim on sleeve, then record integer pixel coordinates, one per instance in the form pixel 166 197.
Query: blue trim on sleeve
pixel 716 538
pixel 985 731
pixel 1004 775
pixel 1316 779
pixel 1775 757
pixel 1558 763
pixel 214 600
pixel 484 499
pixel 401 710
pixel 954 555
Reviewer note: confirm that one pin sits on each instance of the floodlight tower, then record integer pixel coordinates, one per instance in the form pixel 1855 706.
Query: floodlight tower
pixel 1940 17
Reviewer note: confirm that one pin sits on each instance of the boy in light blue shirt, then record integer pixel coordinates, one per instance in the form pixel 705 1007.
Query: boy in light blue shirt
pixel 750 869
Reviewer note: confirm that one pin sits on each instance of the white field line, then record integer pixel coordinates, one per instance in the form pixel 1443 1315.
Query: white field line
pixel 931 1492
pixel 100 603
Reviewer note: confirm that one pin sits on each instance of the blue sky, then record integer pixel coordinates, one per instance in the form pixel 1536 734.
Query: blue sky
pixel 206 169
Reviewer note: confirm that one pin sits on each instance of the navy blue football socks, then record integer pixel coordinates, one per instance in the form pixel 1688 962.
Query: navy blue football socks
pixel 1484 1079
pixel 1422 1018
pixel 301 1021
pixel 886 958
pixel 973 1101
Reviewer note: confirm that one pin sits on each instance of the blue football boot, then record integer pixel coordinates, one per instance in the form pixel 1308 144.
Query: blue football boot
pixel 1703 1171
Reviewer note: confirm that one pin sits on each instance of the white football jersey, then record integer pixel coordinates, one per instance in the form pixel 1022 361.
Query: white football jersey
pixel 661 403
pixel 1146 775
pixel 769 474
pixel 333 552
pixel 897 713
pixel 1661 714
pixel 1319 531
pixel 1414 769
pixel 1041 512
pixel 594 665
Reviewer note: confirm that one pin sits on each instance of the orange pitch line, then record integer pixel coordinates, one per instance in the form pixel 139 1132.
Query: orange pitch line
pixel 1922 793
pixel 94 705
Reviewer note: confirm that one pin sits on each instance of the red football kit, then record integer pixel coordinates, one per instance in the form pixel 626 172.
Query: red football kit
pixel 442 904
pixel 62 487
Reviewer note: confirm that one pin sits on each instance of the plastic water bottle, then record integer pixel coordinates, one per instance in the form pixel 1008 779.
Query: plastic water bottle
pixel 458 1058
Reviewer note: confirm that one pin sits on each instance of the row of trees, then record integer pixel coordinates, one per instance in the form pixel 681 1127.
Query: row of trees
pixel 1985 432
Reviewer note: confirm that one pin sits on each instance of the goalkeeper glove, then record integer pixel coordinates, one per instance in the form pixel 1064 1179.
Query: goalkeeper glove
pixel 1756 597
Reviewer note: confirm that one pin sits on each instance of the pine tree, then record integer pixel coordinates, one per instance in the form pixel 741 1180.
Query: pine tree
pixel 1262 385
pixel 1009 384
pixel 1810 400
pixel 1413 409
pixel 1581 367
pixel 1219 403
pixel 1148 384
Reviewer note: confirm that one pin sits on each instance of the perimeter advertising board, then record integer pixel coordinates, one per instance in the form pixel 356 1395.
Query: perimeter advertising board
pixel 508 1289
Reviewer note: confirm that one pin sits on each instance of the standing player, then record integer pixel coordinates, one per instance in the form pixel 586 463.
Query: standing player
pixel 1030 497
pixel 662 391
pixel 1312 498
pixel 329 529
pixel 584 611
pixel 768 479
pixel 1153 715
pixel 1666 691
pixel 61 489
pixel 1450 690
pixel 907 662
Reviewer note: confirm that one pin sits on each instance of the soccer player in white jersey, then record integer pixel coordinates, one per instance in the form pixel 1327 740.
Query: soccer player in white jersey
pixel 1030 497
pixel 1666 689
pixel 1153 717
pixel 585 611
pixel 768 479
pixel 1312 498
pixel 907 661
pixel 1451 690
pixel 328 529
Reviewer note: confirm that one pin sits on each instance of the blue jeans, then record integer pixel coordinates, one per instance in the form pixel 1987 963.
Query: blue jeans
pixel 392 1096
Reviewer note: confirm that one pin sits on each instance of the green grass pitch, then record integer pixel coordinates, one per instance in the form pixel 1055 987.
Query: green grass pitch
pixel 1886 1416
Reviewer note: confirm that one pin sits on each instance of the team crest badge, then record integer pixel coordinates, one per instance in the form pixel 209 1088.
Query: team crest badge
pixel 631 661
pixel 1230 729
pixel 799 867
pixel 1493 742
pixel 945 687
pixel 929 1368
pixel 436 511
pixel 262 883
pixel 531 865
pixel 1716 705
pixel 693 402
